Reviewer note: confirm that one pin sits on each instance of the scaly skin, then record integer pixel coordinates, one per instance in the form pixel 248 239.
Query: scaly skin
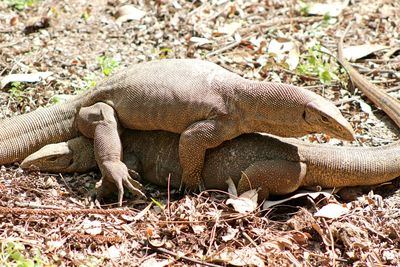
pixel 203 102
pixel 276 165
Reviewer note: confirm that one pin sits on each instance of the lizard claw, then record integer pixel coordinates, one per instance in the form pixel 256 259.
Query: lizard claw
pixel 191 183
pixel 116 173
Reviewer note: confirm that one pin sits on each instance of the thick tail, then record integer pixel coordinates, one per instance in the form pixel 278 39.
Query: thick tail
pixel 25 134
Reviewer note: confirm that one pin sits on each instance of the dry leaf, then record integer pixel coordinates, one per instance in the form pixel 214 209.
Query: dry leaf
pixel 240 257
pixel 129 12
pixel 198 229
pixel 332 9
pixel 153 262
pixel 29 77
pixel 199 41
pixel 142 213
pixel 365 107
pixel 54 245
pixel 231 187
pixel 284 51
pixel 92 227
pixel 246 202
pixel 352 53
pixel 313 195
pixel 113 252
pixel 229 29
pixel 332 211
pixel 230 234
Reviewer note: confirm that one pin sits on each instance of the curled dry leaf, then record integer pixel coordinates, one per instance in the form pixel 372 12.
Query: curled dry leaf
pixel 28 77
pixel 352 53
pixel 246 202
pixel 127 13
pixel 332 211
pixel 231 187
pixel 327 193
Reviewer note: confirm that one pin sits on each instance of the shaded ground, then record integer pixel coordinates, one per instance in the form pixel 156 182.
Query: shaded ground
pixel 78 41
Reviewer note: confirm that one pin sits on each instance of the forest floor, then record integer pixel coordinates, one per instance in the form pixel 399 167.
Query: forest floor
pixel 54 220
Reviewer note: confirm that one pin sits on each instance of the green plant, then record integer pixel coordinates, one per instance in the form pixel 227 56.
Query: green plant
pixel 107 65
pixel 21 4
pixel 11 254
pixel 304 8
pixel 89 82
pixel 157 203
pixel 17 91
pixel 318 64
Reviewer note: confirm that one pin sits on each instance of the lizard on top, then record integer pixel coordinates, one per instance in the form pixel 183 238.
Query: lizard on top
pixel 200 100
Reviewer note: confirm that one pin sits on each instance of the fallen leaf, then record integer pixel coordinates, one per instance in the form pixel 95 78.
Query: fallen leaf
pixel 127 13
pixel 53 245
pixel 143 212
pixel 92 227
pixel 230 234
pixel 199 41
pixel 229 29
pixel 365 107
pixel 153 262
pixel 269 203
pixel 352 53
pixel 240 257
pixel 246 202
pixel 231 187
pixel 284 51
pixel 113 252
pixel 332 9
pixel 28 77
pixel 198 229
pixel 332 211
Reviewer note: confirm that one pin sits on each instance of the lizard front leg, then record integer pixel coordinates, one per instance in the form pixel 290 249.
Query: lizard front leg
pixel 99 122
pixel 193 143
pixel 276 177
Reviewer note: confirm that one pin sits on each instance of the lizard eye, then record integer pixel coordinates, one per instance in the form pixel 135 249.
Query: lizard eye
pixel 324 119
pixel 54 158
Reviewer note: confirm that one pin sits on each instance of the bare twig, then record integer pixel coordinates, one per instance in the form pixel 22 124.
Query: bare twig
pixel 178 256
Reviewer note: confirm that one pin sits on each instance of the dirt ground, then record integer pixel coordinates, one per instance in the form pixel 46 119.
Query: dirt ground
pixel 54 220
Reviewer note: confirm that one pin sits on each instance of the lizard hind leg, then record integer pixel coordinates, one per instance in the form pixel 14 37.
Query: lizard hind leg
pixel 275 177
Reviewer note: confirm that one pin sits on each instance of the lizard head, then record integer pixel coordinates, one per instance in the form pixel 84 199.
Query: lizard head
pixel 63 157
pixel 290 111
pixel 323 116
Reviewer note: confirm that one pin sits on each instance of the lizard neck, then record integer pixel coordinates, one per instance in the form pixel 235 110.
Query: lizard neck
pixel 271 107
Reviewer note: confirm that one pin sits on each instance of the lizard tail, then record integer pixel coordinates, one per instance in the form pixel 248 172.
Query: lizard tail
pixel 25 134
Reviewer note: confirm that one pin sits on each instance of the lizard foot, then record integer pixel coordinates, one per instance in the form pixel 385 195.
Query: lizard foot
pixel 117 174
pixel 191 183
